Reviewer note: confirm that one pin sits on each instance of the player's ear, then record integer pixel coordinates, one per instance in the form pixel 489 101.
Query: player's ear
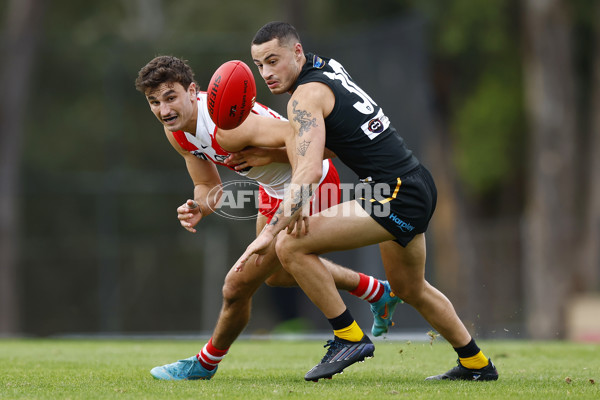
pixel 298 51
pixel 192 90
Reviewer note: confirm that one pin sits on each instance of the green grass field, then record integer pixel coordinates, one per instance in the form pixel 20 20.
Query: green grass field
pixel 264 369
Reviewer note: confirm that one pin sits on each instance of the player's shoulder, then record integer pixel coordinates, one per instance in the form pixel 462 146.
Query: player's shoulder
pixel 316 93
pixel 311 90
pixel 204 123
pixel 202 103
pixel 315 69
pixel 172 137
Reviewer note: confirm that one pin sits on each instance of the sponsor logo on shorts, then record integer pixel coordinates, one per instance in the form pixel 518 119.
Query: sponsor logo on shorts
pixel 404 226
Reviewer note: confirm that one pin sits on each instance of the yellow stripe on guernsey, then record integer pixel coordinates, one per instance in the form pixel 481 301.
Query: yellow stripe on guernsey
pixel 389 198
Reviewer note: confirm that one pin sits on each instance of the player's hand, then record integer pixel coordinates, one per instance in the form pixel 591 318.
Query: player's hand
pixel 299 226
pixel 189 214
pixel 259 246
pixel 249 157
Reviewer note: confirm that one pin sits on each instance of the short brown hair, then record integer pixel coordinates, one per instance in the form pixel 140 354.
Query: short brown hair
pixel 164 69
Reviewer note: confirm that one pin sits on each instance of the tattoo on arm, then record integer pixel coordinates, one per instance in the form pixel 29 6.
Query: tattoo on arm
pixel 299 199
pixel 304 118
pixel 275 218
pixel 302 147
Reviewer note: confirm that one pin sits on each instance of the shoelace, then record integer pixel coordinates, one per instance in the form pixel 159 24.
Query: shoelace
pixel 333 346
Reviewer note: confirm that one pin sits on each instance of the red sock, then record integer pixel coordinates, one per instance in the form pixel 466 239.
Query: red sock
pixel 210 356
pixel 369 288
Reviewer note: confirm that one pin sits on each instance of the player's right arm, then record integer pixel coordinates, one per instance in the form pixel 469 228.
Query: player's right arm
pixel 259 140
pixel 256 130
pixel 258 156
pixel 207 187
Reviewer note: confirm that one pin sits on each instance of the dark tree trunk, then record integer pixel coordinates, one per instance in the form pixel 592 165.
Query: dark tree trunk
pixel 550 218
pixel 20 38
pixel 589 275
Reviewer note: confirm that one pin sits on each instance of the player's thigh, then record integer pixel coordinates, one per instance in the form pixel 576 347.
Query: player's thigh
pixel 340 227
pixel 404 266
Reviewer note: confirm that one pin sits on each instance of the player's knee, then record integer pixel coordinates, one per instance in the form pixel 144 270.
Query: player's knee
pixel 233 290
pixel 272 282
pixel 410 294
pixel 281 278
pixel 285 249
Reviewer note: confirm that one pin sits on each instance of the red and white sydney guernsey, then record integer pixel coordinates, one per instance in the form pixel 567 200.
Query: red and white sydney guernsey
pixel 272 177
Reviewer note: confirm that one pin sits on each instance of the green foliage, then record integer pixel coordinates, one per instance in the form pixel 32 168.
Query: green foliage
pixel 466 27
pixel 489 133
pixel 478 46
pixel 271 369
pixel 353 12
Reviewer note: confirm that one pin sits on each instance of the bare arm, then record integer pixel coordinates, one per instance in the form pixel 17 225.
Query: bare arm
pixel 207 187
pixel 259 141
pixel 307 109
pixel 257 156
pixel 306 149
pixel 256 130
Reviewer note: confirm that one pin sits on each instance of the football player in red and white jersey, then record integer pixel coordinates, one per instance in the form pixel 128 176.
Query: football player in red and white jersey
pixel 168 84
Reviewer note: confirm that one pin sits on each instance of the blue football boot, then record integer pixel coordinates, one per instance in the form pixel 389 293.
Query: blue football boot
pixel 188 369
pixel 383 310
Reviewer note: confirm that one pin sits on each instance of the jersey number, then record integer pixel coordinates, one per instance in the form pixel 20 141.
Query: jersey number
pixel 367 105
pixel 377 124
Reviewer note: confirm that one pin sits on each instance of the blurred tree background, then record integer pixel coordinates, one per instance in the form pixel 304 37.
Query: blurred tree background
pixel 498 98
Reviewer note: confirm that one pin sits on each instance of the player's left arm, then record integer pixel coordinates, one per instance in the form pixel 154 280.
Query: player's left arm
pixel 307 109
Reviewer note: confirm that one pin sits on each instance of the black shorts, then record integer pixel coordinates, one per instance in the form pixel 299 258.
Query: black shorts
pixel 403 206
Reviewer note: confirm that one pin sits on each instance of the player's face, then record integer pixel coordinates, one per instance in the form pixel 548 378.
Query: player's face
pixel 174 106
pixel 278 65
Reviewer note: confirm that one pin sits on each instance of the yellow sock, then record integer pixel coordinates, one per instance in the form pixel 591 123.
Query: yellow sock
pixel 478 361
pixel 352 332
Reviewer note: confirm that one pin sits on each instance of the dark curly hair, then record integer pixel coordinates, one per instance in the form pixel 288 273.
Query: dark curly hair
pixel 164 69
